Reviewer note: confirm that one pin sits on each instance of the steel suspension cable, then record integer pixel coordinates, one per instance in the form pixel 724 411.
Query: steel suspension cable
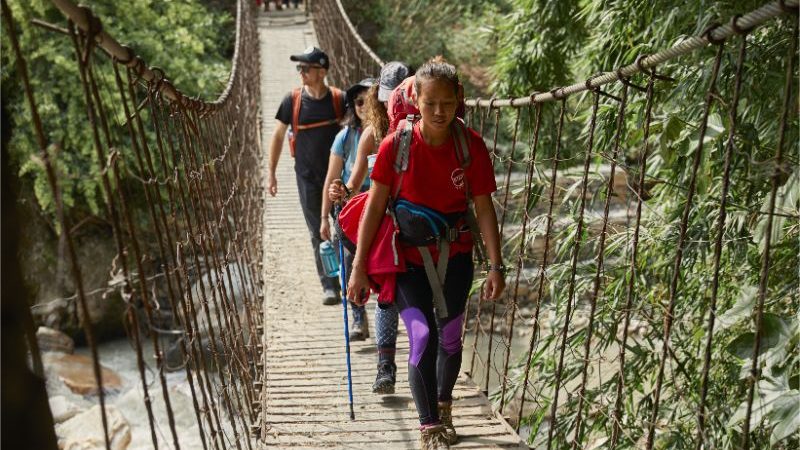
pixel 631 276
pixel 534 144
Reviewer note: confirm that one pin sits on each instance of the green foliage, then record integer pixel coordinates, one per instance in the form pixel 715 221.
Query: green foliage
pixel 190 41
pixel 413 31
pixel 538 45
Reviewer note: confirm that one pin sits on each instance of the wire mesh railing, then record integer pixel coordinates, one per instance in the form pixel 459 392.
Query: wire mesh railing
pixel 183 199
pixel 352 60
pixel 644 245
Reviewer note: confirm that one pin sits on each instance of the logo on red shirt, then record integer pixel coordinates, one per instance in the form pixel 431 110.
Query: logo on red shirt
pixel 458 178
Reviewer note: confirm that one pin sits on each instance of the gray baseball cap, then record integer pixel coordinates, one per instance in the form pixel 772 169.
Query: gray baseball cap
pixel 392 74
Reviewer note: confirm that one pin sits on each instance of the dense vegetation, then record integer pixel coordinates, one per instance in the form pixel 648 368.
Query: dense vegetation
pixel 520 46
pixel 191 41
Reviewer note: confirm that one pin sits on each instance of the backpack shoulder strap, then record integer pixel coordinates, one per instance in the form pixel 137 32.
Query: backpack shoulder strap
pixel 462 141
pixel 402 148
pixel 336 96
pixel 346 142
pixel 296 102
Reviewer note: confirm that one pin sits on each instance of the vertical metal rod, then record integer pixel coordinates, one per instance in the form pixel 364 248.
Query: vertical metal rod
pixel 723 203
pixel 632 273
pixel 526 218
pixel 676 270
pixel 755 372
pixel 510 298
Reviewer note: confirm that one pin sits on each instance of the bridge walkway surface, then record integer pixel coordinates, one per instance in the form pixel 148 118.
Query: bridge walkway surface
pixel 306 402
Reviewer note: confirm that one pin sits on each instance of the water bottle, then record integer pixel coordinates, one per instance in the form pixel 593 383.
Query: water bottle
pixel 330 263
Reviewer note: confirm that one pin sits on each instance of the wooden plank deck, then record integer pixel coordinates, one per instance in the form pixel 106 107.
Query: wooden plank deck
pixel 305 397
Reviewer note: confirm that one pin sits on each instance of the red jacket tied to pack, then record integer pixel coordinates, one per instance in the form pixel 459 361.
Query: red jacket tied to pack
pixel 384 259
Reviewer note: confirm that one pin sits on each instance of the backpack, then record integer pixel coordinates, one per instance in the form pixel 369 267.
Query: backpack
pixel 336 97
pixel 418 225
pixel 401 105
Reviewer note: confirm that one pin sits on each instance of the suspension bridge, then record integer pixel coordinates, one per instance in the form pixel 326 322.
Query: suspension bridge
pixel 209 254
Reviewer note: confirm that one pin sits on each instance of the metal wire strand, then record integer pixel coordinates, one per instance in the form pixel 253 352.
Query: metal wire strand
pixel 680 245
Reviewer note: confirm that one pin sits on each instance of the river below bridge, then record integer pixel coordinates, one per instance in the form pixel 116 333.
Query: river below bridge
pixel 125 397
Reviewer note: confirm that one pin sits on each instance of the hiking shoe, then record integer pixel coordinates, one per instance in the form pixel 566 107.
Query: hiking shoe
pixel 446 416
pixel 329 297
pixel 360 329
pixel 433 437
pixel 384 381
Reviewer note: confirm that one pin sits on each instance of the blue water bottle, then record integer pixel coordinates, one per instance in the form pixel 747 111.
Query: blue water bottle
pixel 330 263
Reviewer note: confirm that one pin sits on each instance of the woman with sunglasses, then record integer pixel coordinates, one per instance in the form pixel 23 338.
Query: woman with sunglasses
pixel 340 167
pixel 377 125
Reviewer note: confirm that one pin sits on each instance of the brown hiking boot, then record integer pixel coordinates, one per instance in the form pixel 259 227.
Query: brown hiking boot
pixel 433 438
pixel 446 416
pixel 360 329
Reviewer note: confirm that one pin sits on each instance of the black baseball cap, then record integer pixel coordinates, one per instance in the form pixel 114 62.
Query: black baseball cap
pixel 312 55
pixel 354 90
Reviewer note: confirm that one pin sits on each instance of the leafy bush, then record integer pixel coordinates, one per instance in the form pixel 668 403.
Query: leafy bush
pixel 191 41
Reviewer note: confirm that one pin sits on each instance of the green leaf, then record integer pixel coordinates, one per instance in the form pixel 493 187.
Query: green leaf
pixel 742 345
pixel 740 310
pixel 786 412
pixel 768 391
pixel 775 331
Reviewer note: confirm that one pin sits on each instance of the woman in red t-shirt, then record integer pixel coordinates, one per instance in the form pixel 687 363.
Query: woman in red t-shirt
pixel 434 179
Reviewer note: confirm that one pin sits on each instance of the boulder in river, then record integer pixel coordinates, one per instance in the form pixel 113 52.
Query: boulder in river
pixel 85 431
pixel 51 340
pixel 77 372
pixel 63 409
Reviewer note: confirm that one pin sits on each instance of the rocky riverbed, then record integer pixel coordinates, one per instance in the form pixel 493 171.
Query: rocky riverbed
pixel 75 404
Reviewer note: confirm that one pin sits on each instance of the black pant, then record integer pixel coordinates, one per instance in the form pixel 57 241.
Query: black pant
pixel 310 189
pixel 435 343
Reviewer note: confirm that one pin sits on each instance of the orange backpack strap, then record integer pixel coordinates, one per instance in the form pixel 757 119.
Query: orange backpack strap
pixel 296 101
pixel 336 96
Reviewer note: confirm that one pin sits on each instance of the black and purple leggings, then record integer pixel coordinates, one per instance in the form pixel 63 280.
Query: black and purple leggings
pixel 435 354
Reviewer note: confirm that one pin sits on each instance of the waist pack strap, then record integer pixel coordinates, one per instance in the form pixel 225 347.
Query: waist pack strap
pixel 436 275
pixel 472 222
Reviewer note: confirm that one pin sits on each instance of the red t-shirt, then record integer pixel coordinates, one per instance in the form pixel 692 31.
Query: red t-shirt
pixel 435 179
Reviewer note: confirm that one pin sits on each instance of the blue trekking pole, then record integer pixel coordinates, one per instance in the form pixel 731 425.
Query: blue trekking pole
pixel 343 281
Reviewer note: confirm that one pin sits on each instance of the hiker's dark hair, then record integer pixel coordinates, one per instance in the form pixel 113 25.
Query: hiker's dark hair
pixel 376 114
pixel 350 117
pixel 436 69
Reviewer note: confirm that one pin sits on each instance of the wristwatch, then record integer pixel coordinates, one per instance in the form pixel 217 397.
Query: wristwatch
pixel 497 268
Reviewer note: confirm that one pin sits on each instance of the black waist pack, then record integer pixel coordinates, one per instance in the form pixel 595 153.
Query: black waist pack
pixel 423 226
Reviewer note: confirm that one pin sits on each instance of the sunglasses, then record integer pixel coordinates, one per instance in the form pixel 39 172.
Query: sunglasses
pixel 304 68
pixel 360 102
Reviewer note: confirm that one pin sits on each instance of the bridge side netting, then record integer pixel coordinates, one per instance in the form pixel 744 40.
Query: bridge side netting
pixel 182 192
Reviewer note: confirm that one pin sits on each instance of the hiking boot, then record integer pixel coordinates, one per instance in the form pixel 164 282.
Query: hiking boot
pixel 433 437
pixel 446 416
pixel 384 381
pixel 329 297
pixel 360 329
